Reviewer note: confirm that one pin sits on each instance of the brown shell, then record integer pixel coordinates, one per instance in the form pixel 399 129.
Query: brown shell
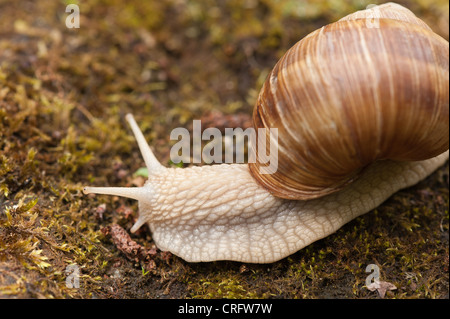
pixel 353 92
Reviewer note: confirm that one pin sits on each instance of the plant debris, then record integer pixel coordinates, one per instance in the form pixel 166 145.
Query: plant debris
pixel 126 245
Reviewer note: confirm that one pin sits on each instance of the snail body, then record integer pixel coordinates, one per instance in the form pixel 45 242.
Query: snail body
pixel 338 110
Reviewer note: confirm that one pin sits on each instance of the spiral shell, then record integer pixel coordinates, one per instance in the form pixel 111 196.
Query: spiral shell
pixel 362 89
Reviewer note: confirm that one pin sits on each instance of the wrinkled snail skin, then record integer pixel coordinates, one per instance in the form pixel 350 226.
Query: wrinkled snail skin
pixel 228 212
pixel 219 212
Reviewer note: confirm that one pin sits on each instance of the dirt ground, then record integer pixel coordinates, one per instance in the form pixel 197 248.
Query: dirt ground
pixel 63 96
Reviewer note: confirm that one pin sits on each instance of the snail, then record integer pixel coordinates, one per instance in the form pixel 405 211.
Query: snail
pixel 361 106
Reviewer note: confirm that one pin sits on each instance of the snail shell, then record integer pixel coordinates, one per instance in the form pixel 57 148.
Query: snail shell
pixel 351 93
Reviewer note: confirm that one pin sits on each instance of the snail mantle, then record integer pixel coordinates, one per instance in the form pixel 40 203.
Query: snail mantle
pixel 361 107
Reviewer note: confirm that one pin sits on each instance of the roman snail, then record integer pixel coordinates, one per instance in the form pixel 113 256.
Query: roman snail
pixel 361 106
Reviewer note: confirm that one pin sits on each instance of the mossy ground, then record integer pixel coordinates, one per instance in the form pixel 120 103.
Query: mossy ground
pixel 63 96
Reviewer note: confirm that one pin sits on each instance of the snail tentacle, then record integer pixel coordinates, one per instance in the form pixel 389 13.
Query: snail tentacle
pixel 220 212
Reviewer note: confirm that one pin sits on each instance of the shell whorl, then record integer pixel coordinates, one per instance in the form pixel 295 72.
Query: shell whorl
pixel 352 93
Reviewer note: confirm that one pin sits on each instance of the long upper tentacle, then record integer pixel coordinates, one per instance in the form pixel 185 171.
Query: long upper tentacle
pixel 153 165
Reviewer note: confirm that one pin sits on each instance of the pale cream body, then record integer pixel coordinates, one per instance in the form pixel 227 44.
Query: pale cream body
pixel 220 212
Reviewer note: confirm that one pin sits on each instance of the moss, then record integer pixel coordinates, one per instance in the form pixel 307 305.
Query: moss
pixel 63 96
